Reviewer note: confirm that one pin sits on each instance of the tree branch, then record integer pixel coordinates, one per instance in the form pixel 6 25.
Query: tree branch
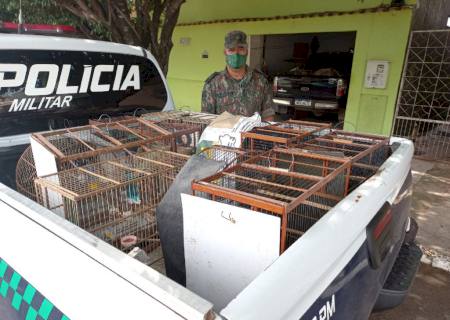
pixel 126 18
pixel 148 23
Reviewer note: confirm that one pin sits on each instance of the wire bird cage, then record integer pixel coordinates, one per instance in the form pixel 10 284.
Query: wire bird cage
pixel 164 115
pixel 132 129
pixel 229 155
pixel 172 159
pixel 184 137
pixel 366 152
pixel 106 118
pixel 185 127
pixel 112 199
pixel 26 173
pixel 298 187
pixel 193 118
pixel 198 118
pixel 74 147
pixel 284 134
pixel 201 119
pixel 178 136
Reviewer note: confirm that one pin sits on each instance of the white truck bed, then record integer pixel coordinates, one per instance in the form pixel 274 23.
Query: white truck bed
pixel 72 268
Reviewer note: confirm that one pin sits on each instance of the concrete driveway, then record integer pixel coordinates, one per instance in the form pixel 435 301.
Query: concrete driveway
pixel 429 298
pixel 431 205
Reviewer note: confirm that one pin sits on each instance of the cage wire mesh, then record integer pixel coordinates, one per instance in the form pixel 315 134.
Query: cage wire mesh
pixel 185 127
pixel 177 121
pixel 119 177
pixel 300 188
pixel 106 118
pixel 174 160
pixel 85 139
pixel 262 139
pixel 301 127
pixel 284 134
pixel 228 155
pixel 80 146
pixel 137 130
pixel 200 119
pixel 184 136
pixel 164 115
pixel 111 199
pixel 126 131
pixel 366 152
pixel 196 118
pixel 26 173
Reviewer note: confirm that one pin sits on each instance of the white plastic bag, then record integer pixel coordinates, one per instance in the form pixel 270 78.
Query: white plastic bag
pixel 226 130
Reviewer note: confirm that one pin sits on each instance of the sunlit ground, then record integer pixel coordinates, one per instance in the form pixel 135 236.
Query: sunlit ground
pixel 430 294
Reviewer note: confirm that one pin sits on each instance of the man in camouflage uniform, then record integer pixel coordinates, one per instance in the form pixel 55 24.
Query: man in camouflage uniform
pixel 238 89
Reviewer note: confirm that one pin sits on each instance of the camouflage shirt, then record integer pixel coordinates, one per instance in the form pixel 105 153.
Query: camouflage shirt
pixel 240 97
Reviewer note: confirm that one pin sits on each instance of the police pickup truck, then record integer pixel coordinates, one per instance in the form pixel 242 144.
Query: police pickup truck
pixel 358 258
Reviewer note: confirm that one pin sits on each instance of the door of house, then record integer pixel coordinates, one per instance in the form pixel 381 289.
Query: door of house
pixel 423 107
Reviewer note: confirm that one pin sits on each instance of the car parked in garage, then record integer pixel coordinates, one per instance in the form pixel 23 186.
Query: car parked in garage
pixel 310 92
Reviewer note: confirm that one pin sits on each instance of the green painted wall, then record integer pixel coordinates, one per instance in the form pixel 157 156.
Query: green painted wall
pixel 379 36
pixel 206 10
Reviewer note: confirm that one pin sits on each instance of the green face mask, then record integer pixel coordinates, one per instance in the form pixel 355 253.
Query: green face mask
pixel 236 60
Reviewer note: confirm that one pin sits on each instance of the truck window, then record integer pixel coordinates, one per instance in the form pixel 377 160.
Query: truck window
pixel 73 85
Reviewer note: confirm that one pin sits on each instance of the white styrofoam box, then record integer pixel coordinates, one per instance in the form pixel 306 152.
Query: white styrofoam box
pixel 226 247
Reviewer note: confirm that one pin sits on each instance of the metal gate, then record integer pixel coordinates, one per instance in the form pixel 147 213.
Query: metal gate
pixel 423 106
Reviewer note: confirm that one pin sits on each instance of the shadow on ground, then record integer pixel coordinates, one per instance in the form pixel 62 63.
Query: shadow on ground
pixel 429 298
pixel 431 203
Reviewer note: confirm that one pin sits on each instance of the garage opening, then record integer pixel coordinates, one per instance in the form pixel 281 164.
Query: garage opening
pixel 310 72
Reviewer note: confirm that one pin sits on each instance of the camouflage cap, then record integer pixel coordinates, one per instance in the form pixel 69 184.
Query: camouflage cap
pixel 235 38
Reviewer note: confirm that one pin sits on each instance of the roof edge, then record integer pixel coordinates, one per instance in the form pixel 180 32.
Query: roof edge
pixel 381 8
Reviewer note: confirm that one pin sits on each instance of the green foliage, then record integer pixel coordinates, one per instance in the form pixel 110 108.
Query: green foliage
pixel 48 12
pixel 145 23
pixel 34 11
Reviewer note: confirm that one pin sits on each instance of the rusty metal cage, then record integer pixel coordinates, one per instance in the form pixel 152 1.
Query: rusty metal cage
pixel 110 199
pixel 26 173
pixel 284 134
pixel 298 187
pixel 366 152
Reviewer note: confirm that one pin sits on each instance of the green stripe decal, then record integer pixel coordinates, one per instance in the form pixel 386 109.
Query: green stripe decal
pixel 3 267
pixel 3 289
pixel 45 309
pixel 17 300
pixel 14 282
pixel 31 314
pixel 29 294
pixel 20 298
